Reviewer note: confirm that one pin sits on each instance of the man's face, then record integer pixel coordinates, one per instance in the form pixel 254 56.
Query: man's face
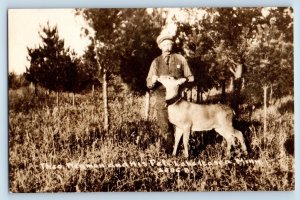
pixel 166 46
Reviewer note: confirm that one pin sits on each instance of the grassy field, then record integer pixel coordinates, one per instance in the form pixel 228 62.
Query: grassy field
pixel 65 149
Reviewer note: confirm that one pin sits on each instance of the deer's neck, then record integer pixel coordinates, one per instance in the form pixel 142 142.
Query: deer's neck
pixel 173 100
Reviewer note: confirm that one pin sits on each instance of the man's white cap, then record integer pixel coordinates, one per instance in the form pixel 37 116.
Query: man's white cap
pixel 162 37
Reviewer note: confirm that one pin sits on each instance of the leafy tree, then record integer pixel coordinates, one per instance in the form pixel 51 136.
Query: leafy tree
pixel 226 42
pixel 123 39
pixel 89 69
pixel 105 23
pixel 270 54
pixel 140 48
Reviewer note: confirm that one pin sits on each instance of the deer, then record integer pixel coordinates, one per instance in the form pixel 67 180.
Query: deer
pixel 188 117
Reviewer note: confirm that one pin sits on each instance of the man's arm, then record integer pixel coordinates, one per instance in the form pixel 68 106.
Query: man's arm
pixel 187 73
pixel 152 74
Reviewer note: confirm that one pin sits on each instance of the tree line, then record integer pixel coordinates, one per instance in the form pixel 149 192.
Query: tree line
pixel 251 46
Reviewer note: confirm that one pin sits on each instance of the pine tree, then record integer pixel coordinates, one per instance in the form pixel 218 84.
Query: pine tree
pixel 51 65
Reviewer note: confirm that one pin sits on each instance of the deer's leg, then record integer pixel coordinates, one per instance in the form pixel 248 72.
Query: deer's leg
pixel 227 134
pixel 178 134
pixel 240 137
pixel 186 136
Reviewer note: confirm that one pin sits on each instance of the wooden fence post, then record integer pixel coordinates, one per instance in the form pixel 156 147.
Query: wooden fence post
pixel 73 99
pixel 105 101
pixel 57 99
pixel 93 90
pixel 265 110
pixel 147 105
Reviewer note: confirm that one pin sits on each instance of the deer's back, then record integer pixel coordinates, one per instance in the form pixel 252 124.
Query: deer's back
pixel 200 117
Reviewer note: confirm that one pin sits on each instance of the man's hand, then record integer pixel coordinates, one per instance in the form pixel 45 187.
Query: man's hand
pixel 181 81
pixel 154 79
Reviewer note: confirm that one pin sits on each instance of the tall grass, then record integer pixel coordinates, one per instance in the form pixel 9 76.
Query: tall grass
pixel 57 149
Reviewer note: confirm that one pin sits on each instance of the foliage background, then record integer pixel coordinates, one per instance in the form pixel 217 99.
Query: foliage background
pixel 247 195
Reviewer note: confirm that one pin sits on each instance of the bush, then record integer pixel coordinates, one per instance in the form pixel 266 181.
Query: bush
pixel 26 99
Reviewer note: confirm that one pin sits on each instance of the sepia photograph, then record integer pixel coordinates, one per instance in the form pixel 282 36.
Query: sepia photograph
pixel 151 99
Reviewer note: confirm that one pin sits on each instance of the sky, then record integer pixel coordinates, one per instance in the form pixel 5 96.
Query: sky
pixel 23 28
pixel 25 24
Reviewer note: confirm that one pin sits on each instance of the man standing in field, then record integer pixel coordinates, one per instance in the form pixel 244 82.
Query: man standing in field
pixel 167 64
